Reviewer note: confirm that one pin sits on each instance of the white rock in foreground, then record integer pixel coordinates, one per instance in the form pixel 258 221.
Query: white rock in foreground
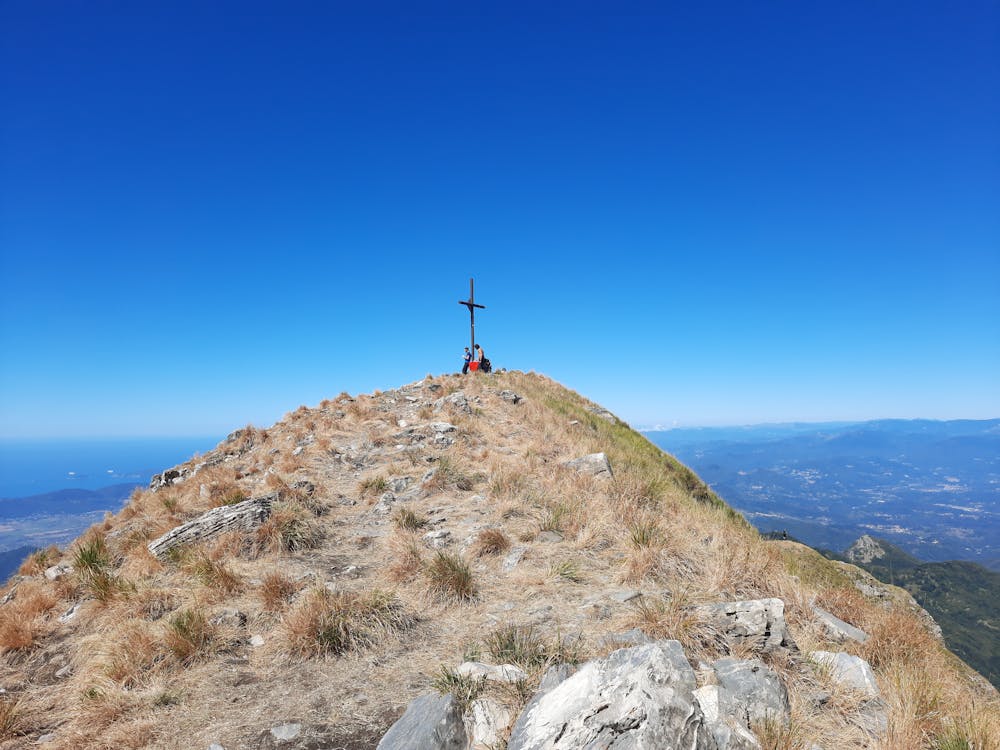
pixel 637 697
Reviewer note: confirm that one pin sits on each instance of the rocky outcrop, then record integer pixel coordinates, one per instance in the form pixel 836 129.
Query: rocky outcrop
pixel 243 516
pixel 431 722
pixel 635 697
pixel 757 623
pixel 864 550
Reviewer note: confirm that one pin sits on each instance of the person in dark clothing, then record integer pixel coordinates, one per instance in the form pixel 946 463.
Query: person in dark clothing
pixel 466 358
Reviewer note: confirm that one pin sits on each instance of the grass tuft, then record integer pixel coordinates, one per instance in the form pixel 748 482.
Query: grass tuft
pixel 450 577
pixel 407 520
pixel 463 688
pixel 276 591
pixel 490 542
pixel 188 635
pixel 327 623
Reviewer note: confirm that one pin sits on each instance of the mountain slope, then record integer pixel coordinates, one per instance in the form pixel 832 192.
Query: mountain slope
pixel 961 596
pixel 413 529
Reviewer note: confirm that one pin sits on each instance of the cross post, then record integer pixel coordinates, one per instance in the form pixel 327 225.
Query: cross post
pixel 471 304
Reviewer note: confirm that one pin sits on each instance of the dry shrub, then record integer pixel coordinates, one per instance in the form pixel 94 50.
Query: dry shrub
pixel 490 542
pixel 450 577
pixel 329 623
pixel 276 591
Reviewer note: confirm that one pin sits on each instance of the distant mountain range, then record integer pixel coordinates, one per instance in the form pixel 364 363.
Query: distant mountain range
pixel 932 488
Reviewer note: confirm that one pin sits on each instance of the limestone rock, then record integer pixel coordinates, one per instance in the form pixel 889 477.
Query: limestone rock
pixel 487 722
pixel 56 572
pixel 751 692
pixel 513 557
pixel 757 622
pixel 864 550
pixel 437 539
pixel 637 697
pixel 849 671
pixel 431 722
pixel 596 464
pixel 837 630
pixel 603 413
pixel 729 734
pixel 501 673
pixel 510 396
pixel 243 516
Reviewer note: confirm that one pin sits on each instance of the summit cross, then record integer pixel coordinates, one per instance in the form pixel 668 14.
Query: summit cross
pixel 471 304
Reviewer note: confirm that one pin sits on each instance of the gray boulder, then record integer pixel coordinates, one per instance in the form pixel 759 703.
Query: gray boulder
pixel 759 623
pixel 837 630
pixel 633 698
pixel 751 692
pixel 729 734
pixel 431 722
pixel 848 671
pixel 596 464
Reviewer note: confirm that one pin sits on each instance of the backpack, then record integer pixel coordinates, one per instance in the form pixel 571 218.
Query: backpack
pixel 487 365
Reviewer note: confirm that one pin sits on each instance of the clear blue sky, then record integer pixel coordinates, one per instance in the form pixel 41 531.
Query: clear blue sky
pixel 693 213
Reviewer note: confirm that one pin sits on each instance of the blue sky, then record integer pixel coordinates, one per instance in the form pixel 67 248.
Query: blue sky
pixel 211 213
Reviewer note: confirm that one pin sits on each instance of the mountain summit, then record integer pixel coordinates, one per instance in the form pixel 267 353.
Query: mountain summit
pixel 482 561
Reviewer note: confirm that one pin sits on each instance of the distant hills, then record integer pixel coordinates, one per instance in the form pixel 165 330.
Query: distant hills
pixel 930 487
pixel 66 501
pixel 29 523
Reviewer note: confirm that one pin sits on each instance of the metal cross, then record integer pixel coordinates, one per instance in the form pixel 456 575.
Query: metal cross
pixel 471 304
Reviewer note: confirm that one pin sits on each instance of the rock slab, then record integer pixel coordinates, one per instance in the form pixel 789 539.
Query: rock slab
pixel 635 698
pixel 431 722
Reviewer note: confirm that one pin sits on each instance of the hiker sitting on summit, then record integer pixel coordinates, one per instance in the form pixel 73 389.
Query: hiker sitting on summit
pixel 484 364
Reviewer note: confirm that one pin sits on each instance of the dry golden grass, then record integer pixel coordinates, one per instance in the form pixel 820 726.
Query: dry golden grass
pixel 276 591
pixel 654 525
pixel 36 563
pixel 327 623
pixel 490 542
pixel 214 574
pixel 188 635
pixel 10 717
pixel 24 619
pixel 289 528
pixel 407 558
